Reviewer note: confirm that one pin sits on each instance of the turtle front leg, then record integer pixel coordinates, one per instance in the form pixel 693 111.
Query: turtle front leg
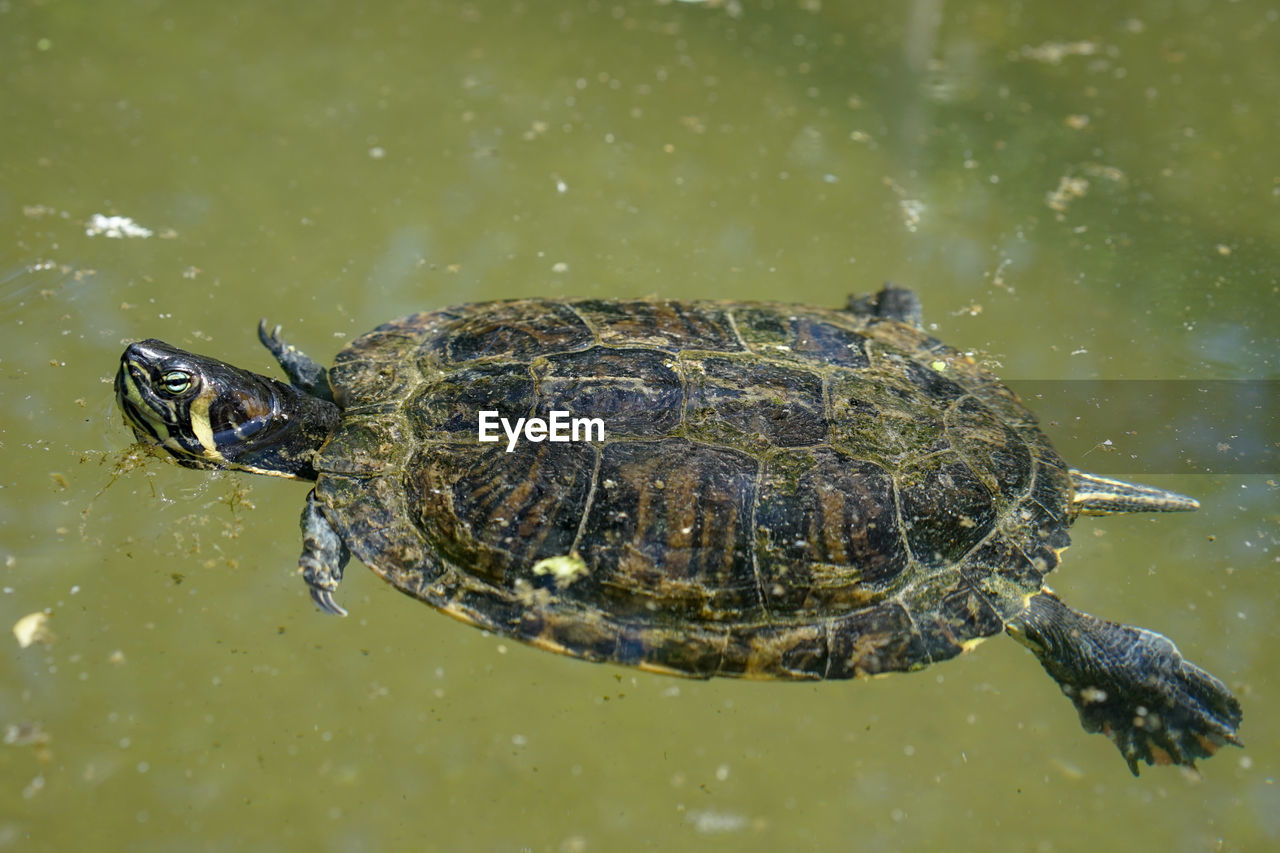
pixel 323 557
pixel 1131 684
pixel 302 371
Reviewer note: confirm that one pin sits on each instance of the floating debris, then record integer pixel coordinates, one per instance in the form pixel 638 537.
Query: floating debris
pixel 912 211
pixel 1069 189
pixel 116 227
pixel 707 822
pixel 1053 52
pixel 25 734
pixel 564 569
pixel 33 628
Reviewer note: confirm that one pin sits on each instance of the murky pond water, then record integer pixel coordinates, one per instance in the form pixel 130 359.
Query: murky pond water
pixel 1075 193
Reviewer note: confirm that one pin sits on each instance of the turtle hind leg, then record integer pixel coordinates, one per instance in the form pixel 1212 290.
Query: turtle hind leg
pixel 1129 683
pixel 1094 495
pixel 302 371
pixel 891 303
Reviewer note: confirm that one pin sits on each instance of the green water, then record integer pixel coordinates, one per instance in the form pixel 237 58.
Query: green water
pixel 1076 192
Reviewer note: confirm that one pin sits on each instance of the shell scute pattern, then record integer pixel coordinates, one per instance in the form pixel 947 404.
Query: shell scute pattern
pixel 636 392
pixel 782 492
pixel 747 400
pixel 830 538
pixel 444 408
pixel 946 509
pixel 500 513
pixel 669 529
pixel 512 331
pixel 666 325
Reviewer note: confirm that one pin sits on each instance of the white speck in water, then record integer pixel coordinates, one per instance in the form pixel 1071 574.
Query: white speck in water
pixel 908 750
pixel 115 227
pixel 377 152
pixel 143 767
pixel 714 823
pixel 559 267
pixel 33 628
pixel 912 212
pixel 722 772
pixel 519 740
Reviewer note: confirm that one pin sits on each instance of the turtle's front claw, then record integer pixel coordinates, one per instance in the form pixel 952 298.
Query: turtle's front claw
pixel 323 557
pixel 271 336
pixel 302 371
pixel 324 600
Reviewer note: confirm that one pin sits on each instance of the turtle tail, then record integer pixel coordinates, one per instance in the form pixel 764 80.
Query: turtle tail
pixel 1131 684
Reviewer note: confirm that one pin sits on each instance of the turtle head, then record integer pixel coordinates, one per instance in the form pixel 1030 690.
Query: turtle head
pixel 207 414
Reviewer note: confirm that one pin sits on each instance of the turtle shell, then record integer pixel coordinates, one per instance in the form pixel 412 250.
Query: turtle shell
pixel 782 492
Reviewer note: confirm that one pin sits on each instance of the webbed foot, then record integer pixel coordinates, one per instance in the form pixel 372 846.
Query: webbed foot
pixel 323 557
pixel 1131 684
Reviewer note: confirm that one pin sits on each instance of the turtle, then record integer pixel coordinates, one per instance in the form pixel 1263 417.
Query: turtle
pixel 774 491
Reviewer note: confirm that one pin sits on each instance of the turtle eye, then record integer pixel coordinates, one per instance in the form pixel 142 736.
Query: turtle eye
pixel 175 382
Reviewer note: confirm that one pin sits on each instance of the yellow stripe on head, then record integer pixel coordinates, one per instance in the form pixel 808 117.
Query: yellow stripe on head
pixel 201 427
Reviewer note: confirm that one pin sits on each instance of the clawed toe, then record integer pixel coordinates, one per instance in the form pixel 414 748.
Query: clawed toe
pixel 271 336
pixel 324 600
